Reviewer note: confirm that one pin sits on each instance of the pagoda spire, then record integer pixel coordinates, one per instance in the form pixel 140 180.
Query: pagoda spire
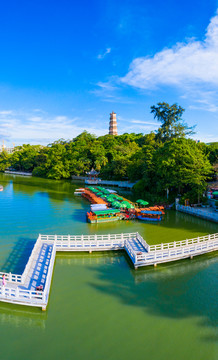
pixel 113 124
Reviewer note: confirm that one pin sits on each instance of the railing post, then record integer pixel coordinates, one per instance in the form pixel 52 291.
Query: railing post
pixel 68 240
pixel 10 277
pixel 17 293
pixel 43 296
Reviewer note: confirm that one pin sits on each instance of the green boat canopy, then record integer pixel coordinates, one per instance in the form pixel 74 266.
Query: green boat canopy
pixel 94 190
pixel 110 198
pixel 123 205
pixel 117 204
pixel 129 206
pixel 142 202
pixel 215 192
pixel 106 212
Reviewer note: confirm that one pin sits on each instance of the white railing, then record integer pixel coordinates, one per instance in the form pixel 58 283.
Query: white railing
pixel 148 255
pixel 143 242
pixel 33 257
pixel 63 242
pixel 49 276
pixel 183 243
pixel 87 237
pixel 15 278
pixel 178 252
pixel 20 295
pixel 130 251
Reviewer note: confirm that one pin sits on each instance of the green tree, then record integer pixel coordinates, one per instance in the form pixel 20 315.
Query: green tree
pixel 171 119
pixel 24 157
pixel 212 151
pixel 181 164
pixel 4 160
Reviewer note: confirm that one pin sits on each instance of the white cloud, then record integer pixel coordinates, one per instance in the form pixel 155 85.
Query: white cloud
pixel 194 62
pixel 207 138
pixel 26 128
pixel 101 56
pixel 109 92
pixel 6 112
pixel 144 122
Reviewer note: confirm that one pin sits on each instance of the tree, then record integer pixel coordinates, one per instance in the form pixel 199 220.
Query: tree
pixel 171 119
pixel 212 151
pixel 180 164
pixel 4 160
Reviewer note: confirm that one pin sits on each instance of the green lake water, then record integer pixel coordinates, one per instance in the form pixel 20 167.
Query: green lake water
pixel 100 307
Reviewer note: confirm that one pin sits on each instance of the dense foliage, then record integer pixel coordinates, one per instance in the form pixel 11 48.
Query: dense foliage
pixel 165 162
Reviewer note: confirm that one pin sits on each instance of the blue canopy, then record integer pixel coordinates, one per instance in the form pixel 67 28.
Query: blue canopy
pixel 150 212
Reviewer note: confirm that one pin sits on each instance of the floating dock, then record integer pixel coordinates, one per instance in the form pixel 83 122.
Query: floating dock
pixel 21 289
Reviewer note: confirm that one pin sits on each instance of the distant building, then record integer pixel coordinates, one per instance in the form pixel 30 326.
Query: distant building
pixel 113 124
pixel 9 150
pixel 93 177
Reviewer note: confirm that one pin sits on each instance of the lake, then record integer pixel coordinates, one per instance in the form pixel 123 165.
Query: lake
pixel 100 307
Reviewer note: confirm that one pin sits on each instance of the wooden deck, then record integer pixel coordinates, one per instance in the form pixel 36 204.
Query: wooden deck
pixel 21 289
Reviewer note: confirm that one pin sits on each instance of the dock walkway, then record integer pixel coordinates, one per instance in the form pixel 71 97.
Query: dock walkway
pixel 21 289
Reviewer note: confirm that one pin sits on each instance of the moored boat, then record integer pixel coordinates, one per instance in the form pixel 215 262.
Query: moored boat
pixel 150 215
pixel 79 191
pixel 99 216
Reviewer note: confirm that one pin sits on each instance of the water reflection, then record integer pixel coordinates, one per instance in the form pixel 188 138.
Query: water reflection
pixel 176 291
pixel 175 269
pixel 190 219
pixel 18 315
pixel 18 257
pixel 90 259
pixel 55 189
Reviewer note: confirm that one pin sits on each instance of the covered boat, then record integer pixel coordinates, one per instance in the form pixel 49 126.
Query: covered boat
pixel 79 191
pixel 150 215
pixel 98 216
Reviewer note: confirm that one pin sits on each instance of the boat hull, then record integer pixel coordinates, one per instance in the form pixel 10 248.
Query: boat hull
pixel 149 219
pixel 96 221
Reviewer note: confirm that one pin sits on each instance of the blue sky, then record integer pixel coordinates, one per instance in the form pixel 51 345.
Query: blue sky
pixel 65 65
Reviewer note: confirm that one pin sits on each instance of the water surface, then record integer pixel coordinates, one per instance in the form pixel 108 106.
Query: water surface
pixel 101 308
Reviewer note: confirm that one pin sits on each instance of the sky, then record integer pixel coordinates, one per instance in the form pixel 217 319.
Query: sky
pixel 66 65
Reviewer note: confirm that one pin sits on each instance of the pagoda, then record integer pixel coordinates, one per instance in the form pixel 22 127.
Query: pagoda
pixel 113 124
pixel 93 177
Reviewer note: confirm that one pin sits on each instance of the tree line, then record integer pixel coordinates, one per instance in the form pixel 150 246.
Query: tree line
pixel 160 162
